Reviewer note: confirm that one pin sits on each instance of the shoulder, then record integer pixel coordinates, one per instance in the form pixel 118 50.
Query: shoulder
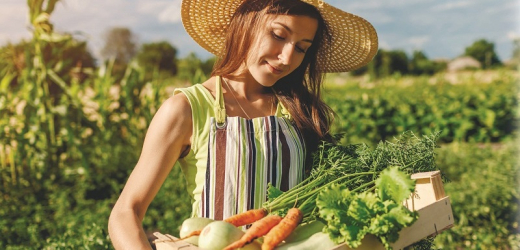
pixel 170 128
pixel 176 108
pixel 198 91
pixel 210 85
pixel 172 119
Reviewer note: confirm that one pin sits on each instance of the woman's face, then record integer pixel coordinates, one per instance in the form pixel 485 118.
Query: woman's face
pixel 280 47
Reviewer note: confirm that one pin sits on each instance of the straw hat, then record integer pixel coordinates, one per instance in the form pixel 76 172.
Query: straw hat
pixel 354 40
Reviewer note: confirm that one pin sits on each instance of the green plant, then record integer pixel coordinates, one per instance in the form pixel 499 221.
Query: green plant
pixel 484 195
pixel 467 112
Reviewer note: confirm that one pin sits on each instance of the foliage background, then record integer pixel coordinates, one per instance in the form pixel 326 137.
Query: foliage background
pixel 71 132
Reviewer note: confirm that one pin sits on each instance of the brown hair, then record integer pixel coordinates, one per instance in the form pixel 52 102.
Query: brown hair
pixel 300 91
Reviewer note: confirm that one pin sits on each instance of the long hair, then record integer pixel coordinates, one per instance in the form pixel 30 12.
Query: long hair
pixel 300 91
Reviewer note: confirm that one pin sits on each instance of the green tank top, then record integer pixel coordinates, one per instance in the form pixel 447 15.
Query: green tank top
pixel 232 159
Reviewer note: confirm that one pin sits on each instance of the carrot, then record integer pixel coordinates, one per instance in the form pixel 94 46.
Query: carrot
pixel 247 217
pixel 238 220
pixel 283 229
pixel 258 229
pixel 193 233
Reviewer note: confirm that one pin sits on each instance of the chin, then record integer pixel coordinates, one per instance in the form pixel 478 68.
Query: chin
pixel 268 82
pixel 267 79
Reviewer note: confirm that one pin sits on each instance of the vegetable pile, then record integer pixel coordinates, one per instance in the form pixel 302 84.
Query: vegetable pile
pixel 352 189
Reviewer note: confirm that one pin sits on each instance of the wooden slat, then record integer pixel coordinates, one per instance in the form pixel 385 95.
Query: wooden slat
pixel 433 219
pixel 168 242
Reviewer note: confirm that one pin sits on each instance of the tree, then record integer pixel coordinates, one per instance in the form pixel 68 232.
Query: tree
pixel 120 45
pixel 386 63
pixel 160 56
pixel 421 65
pixel 516 49
pixel 207 66
pixel 515 59
pixel 484 52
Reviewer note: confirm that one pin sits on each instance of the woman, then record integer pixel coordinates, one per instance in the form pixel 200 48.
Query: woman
pixel 257 119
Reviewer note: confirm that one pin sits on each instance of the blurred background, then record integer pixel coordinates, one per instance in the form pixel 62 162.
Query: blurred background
pixel 81 80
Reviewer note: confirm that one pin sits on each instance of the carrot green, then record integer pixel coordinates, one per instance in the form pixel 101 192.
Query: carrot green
pixel 358 183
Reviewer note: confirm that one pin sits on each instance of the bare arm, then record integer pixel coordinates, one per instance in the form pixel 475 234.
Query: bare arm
pixel 168 135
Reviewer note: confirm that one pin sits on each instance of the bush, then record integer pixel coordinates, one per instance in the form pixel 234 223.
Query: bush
pixel 64 158
pixel 468 112
pixel 484 195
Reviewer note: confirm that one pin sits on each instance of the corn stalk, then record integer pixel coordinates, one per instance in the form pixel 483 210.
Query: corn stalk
pixel 28 152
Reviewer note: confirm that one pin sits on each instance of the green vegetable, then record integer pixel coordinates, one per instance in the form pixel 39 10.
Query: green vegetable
pixel 350 216
pixel 316 241
pixel 356 167
pixel 305 230
pixel 220 234
pixel 193 224
pixel 346 171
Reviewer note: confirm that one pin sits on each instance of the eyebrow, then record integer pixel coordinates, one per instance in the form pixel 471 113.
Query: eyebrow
pixel 289 29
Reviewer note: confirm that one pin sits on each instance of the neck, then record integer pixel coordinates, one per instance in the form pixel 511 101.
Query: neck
pixel 246 87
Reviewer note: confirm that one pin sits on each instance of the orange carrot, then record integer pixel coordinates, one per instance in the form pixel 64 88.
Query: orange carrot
pixel 283 229
pixel 247 217
pixel 193 233
pixel 258 229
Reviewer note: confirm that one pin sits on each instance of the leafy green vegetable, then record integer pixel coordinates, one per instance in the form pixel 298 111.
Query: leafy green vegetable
pixel 339 187
pixel 350 216
pixel 394 185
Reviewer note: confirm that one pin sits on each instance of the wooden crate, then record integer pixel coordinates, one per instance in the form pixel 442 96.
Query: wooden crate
pixel 429 200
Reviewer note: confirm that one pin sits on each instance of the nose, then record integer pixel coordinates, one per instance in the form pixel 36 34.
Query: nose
pixel 286 54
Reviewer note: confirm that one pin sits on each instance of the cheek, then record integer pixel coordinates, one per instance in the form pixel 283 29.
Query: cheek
pixel 297 60
pixel 268 47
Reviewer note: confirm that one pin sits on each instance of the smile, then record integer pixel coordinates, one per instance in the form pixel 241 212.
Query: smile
pixel 274 70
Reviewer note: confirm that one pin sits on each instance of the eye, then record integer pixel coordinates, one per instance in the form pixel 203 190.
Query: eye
pixel 277 37
pixel 300 50
pixel 281 38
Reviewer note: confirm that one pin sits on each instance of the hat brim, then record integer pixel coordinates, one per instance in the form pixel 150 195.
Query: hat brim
pixel 354 40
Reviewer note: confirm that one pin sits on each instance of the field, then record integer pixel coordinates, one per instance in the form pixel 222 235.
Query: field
pixel 67 147
pixel 71 133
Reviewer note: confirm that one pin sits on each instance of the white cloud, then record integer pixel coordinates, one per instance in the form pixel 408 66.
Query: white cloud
pixel 374 4
pixel 14 21
pixel 513 35
pixel 163 11
pixel 452 5
pixel 418 41
pixel 151 7
pixel 401 24
pixel 503 8
pixel 384 45
pixel 172 14
pixel 376 17
pixel 75 4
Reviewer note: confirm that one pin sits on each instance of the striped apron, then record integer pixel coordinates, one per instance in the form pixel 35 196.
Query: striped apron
pixel 244 155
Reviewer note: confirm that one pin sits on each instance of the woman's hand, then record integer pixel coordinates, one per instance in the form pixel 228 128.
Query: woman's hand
pixel 169 134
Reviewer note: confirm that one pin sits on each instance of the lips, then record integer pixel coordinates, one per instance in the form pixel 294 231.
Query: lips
pixel 273 69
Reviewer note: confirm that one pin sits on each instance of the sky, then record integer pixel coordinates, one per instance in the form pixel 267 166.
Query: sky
pixel 442 29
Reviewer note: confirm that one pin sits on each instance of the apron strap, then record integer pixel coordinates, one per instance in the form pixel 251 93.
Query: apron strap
pixel 284 111
pixel 219 107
